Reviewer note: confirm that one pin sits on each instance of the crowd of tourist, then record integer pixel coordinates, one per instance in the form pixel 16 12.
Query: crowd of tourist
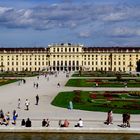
pixel 5 118
pixel 125 120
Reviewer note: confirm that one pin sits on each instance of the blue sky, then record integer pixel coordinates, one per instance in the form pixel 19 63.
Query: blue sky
pixel 27 23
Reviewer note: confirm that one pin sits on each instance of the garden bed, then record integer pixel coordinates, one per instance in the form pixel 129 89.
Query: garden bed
pixel 102 74
pixel 103 83
pixel 119 102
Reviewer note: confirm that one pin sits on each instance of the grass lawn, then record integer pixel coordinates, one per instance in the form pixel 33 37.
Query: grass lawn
pixel 103 83
pixel 18 74
pixel 7 81
pixel 101 74
pixel 103 101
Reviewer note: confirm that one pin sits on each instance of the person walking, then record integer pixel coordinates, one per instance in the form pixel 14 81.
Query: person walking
pixel 109 119
pixel 19 103
pixel 58 85
pixel 128 119
pixel 37 85
pixel 37 99
pixel 34 84
pixel 15 115
pixel 124 120
pixel 27 103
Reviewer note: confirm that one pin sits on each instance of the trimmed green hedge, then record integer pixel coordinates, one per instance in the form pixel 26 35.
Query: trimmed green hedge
pixel 7 81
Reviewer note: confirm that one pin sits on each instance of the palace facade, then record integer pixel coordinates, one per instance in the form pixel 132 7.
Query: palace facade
pixel 71 57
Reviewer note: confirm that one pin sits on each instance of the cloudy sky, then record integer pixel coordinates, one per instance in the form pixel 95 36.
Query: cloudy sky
pixel 29 23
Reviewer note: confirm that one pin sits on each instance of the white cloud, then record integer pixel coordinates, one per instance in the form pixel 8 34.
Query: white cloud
pixel 114 16
pixel 85 34
pixel 65 15
pixel 5 9
pixel 125 32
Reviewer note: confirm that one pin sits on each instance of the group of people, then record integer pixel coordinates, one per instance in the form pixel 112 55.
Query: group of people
pixel 125 116
pixel 27 103
pixel 21 81
pixel 66 123
pixel 45 123
pixel 5 118
pixel 26 123
pixel 36 85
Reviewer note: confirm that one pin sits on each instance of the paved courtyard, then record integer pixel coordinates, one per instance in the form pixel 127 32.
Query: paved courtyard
pixel 47 90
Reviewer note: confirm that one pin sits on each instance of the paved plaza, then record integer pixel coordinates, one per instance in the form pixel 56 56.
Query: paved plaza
pixel 47 90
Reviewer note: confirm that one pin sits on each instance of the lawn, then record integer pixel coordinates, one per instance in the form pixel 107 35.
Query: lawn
pixel 7 81
pixel 102 74
pixel 103 83
pixel 103 101
pixel 18 74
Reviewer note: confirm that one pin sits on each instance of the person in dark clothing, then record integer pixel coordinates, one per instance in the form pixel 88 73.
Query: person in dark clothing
pixel 1 115
pixel 128 119
pixel 44 123
pixel 23 122
pixel 124 120
pixel 37 85
pixel 28 123
pixel 37 99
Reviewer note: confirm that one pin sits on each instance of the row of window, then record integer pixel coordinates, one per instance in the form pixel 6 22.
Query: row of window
pixel 97 58
pixel 65 56
pixel 26 63
pixel 42 56
pixel 104 63
pixel 109 55
pixel 108 68
pixel 95 63
pixel 65 63
pixel 25 57
pixel 23 69
pixel 93 68
pixel 65 49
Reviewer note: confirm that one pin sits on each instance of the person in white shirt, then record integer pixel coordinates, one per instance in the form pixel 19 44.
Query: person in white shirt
pixel 80 123
pixel 27 103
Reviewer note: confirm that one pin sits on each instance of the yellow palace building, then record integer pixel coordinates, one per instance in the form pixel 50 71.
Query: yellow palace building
pixel 71 57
